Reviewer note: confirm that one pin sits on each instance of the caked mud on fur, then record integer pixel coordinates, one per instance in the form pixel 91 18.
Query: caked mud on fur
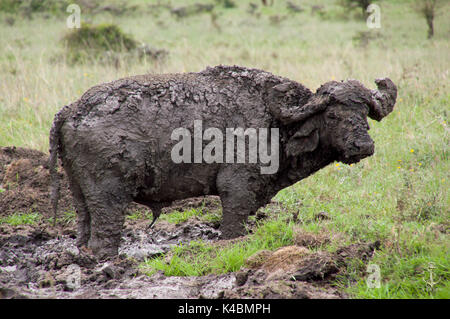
pixel 115 142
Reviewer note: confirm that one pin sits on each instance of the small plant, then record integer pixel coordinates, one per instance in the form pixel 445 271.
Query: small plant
pixel 20 219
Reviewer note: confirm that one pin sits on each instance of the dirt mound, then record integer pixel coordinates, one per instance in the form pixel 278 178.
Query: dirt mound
pixel 251 284
pixel 296 272
pixel 294 262
pixel 310 240
pixel 11 153
pixel 25 183
pixel 285 258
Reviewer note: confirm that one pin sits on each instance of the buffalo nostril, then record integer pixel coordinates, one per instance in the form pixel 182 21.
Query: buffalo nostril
pixel 365 147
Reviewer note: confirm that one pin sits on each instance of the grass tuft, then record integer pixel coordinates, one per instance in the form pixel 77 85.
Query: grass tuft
pixel 17 219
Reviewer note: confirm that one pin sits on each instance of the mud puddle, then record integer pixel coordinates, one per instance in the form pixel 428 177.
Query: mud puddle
pixel 36 263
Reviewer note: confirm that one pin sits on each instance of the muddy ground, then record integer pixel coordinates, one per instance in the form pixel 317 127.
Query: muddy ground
pixel 42 260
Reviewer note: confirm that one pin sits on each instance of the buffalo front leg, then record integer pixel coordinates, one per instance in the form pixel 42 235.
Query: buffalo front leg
pixel 238 201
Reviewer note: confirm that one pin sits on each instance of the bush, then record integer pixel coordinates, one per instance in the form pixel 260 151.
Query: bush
pixel 100 37
pixel 92 41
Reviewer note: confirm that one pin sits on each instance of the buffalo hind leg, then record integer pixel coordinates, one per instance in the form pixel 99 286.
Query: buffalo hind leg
pixel 83 217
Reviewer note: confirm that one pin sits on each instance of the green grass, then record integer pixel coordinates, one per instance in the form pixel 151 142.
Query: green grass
pixel 418 275
pixel 178 217
pixel 397 196
pixel 17 219
pixel 65 218
pixel 139 214
pixel 199 258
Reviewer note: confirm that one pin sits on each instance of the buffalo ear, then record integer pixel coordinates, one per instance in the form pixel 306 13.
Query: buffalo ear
pixel 303 141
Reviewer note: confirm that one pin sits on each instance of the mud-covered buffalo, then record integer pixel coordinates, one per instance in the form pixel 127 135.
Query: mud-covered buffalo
pixel 115 142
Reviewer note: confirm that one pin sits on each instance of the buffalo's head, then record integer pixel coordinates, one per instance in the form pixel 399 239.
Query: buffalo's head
pixel 336 118
pixel 346 132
